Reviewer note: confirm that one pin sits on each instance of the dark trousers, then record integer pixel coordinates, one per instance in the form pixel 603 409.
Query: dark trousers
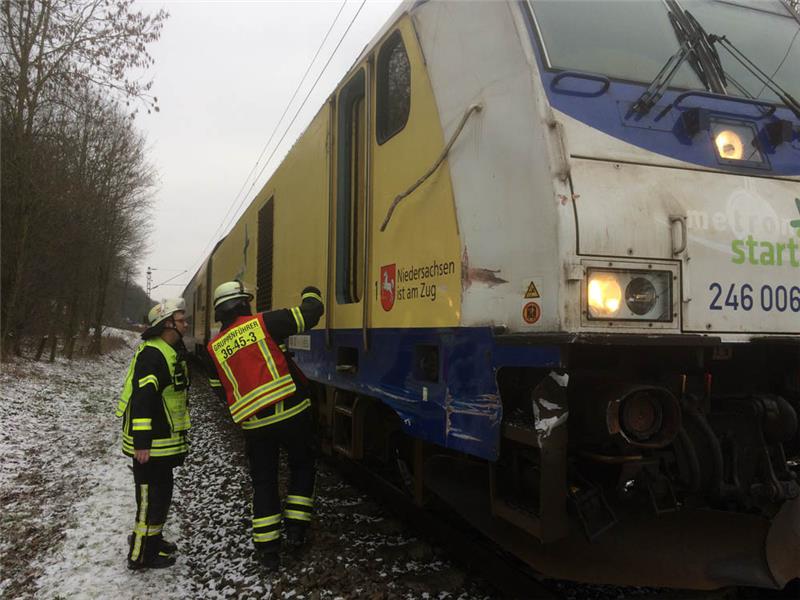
pixel 263 451
pixel 154 484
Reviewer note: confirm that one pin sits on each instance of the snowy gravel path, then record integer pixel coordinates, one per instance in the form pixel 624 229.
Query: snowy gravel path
pixel 67 506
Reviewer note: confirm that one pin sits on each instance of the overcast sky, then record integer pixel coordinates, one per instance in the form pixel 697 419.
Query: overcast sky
pixel 224 73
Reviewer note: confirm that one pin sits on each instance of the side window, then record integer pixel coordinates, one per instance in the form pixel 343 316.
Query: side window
pixel 393 88
pixel 264 271
pixel 350 192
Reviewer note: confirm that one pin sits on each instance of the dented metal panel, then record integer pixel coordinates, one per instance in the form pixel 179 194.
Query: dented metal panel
pixel 461 409
pixel 504 169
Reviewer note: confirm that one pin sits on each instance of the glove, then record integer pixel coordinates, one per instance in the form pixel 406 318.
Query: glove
pixel 310 292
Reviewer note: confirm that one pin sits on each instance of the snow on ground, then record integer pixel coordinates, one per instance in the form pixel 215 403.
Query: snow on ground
pixel 68 505
pixel 65 487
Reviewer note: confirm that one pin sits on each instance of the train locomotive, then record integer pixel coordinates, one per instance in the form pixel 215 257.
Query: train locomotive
pixel 559 245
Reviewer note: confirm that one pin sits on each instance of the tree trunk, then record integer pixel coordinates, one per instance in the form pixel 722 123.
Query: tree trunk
pixel 18 256
pixel 100 307
pixel 53 344
pixel 40 350
pixel 71 326
pixel 13 325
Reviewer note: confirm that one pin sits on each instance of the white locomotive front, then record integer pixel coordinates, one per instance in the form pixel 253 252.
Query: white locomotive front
pixel 632 185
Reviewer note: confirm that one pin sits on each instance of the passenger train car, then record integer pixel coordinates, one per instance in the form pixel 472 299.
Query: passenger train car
pixel 559 246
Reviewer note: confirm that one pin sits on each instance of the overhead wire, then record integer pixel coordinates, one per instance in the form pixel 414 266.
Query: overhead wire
pixel 785 56
pixel 294 118
pixel 167 281
pixel 297 113
pixel 308 95
pixel 225 221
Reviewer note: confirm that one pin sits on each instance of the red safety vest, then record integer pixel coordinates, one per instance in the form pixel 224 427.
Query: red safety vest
pixel 252 369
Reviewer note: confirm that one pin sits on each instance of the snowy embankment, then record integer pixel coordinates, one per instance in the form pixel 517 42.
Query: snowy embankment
pixel 65 487
pixel 68 505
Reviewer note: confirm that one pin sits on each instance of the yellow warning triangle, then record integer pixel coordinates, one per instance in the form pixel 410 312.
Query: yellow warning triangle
pixel 532 291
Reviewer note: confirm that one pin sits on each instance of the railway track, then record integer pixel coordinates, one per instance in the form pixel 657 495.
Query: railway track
pixel 463 544
pixel 506 574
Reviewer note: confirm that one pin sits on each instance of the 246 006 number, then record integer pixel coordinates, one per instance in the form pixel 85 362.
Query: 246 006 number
pixel 745 297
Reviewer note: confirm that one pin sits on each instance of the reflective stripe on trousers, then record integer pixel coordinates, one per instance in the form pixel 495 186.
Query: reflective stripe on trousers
pixel 298 509
pixel 154 484
pixel 267 529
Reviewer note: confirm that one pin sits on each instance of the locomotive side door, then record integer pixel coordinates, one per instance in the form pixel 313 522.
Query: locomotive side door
pixel 350 215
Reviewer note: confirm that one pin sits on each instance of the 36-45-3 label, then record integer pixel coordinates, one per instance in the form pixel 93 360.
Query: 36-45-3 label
pixel 743 296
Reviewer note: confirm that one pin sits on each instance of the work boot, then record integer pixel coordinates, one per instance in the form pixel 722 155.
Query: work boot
pixel 161 560
pixel 271 561
pixel 167 546
pixel 295 538
pixel 163 545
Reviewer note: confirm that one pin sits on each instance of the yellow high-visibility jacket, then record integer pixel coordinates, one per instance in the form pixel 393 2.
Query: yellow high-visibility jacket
pixel 153 403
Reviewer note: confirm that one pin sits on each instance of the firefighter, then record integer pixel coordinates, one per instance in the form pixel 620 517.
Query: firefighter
pixel 269 397
pixel 155 423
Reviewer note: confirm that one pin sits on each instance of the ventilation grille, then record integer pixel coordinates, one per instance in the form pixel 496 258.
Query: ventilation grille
pixel 265 229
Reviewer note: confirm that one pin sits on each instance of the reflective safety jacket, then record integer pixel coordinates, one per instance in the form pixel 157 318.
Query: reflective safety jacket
pixel 258 381
pixel 252 369
pixel 153 402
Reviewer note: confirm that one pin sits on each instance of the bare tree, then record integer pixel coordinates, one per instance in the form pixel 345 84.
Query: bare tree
pixel 102 216
pixel 51 52
pixel 124 186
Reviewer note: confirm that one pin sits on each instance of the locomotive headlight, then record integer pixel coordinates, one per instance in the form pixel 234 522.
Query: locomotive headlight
pixel 640 295
pixel 604 295
pixel 736 142
pixel 647 295
pixel 729 145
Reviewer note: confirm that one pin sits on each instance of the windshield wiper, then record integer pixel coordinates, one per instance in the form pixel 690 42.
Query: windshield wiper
pixel 768 82
pixel 656 88
pixel 710 51
pixel 693 47
pixel 708 43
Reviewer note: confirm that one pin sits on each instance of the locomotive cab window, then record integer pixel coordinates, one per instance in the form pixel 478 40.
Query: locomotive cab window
pixel 393 88
pixel 632 40
pixel 624 40
pixel 350 150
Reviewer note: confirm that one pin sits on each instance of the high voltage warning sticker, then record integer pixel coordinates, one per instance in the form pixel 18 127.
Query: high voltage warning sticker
pixel 532 292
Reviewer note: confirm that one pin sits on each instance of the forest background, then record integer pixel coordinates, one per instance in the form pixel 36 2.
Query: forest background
pixel 77 188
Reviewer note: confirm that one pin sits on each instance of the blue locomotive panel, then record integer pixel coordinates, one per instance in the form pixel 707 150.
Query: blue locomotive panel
pixel 606 104
pixel 457 405
pixel 662 129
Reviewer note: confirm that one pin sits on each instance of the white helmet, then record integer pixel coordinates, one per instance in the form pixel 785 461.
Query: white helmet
pixel 230 290
pixel 165 309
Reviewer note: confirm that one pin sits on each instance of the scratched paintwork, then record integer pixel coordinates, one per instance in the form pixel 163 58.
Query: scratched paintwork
pixel 462 410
